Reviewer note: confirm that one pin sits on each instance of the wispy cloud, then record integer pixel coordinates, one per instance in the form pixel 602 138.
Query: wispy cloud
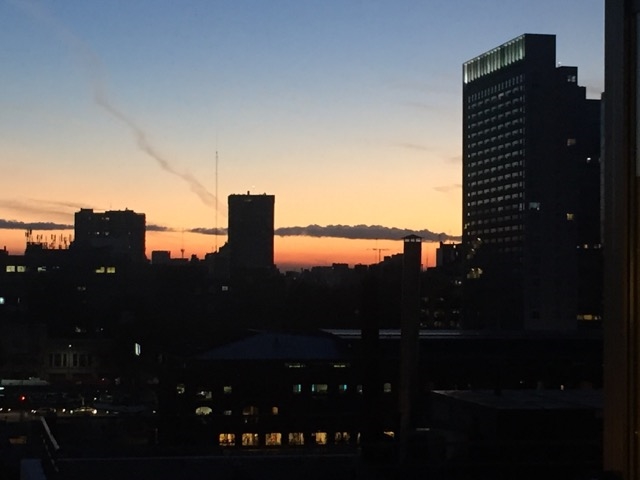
pixel 362 232
pixel 18 225
pixel 208 231
pixel 93 67
pixel 448 188
pixel 353 232
pixel 150 227
pixel 41 207
pixel 413 146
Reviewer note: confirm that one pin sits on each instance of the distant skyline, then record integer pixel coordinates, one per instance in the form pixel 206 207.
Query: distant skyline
pixel 349 112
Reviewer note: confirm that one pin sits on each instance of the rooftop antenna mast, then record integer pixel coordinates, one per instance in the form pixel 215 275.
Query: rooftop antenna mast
pixel 216 230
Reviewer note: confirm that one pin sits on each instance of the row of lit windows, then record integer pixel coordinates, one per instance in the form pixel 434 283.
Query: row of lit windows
pixel 497 88
pixel 507 228
pixel 499 139
pixel 493 230
pixel 23 269
pixel 494 165
pixel 496 122
pixel 499 188
pixel 109 270
pixel 496 148
pixel 65 359
pixel 513 84
pixel 493 179
pixel 486 157
pixel 494 210
pixel 297 388
pixel 487 107
pixel 501 239
pixel 493 220
pixel 498 208
pixel 502 120
pixel 496 134
pixel 498 160
pixel 275 439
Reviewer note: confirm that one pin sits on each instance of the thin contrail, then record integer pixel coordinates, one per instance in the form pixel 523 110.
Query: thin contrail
pixel 93 67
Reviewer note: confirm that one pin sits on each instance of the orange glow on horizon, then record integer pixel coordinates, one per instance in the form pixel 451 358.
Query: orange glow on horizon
pixel 291 253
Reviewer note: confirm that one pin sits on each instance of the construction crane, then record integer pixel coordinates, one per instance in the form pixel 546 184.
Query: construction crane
pixel 378 250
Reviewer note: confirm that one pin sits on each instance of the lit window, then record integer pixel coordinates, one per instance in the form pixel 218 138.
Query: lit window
pixel 273 439
pixel 390 434
pixel 111 269
pixel 224 288
pixel 1 300
pixel 250 410
pixel 570 216
pixel 359 388
pixel 342 437
pixel 227 439
pixel 297 388
pixel 274 410
pixel 228 413
pixel 386 388
pixel 204 410
pixel 296 438
pixel 571 142
pixel 250 440
pixel 340 365
pixel 227 390
pixel 21 269
pixel 204 394
pixel 100 270
pixel 180 389
pixel 321 438
pixel 342 388
pixel 295 365
pixel 10 268
pixel 319 388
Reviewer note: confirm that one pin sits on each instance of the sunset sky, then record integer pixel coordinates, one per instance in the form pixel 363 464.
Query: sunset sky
pixel 348 111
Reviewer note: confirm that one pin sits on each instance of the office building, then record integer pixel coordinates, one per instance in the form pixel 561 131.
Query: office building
pixel 251 219
pixel 120 232
pixel 531 190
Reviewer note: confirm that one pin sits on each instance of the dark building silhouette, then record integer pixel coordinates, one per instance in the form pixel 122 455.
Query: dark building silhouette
pixel 531 190
pixel 120 232
pixel 251 219
pixel 621 240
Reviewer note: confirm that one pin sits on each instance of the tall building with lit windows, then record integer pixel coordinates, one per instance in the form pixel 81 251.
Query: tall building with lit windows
pixel 531 190
pixel 119 232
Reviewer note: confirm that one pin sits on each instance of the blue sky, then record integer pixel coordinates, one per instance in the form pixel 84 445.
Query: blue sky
pixel 348 111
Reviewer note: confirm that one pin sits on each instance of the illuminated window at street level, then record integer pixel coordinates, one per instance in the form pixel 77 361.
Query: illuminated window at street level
pixel 296 438
pixel 273 439
pixel 250 440
pixel 227 439
pixel 320 388
pixel 320 438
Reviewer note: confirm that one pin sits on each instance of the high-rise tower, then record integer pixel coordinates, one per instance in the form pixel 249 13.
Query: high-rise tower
pixel 121 232
pixel 251 219
pixel 531 189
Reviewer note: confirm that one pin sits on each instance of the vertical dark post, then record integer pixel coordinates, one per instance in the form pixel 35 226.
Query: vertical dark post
pixel 622 239
pixel 409 342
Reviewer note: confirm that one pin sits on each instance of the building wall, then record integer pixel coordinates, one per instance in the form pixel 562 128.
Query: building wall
pixel 120 231
pixel 251 219
pixel 530 158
